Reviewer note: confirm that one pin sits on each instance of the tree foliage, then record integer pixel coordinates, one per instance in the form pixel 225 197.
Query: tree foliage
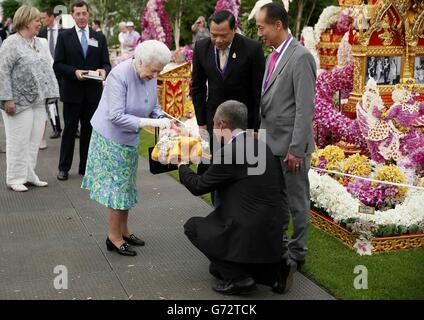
pixel 190 11
pixel 111 12
pixel 301 13
pixel 9 8
pixel 45 4
pixel 306 13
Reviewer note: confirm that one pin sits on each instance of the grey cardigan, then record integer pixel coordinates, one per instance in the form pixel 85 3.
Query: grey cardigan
pixel 26 75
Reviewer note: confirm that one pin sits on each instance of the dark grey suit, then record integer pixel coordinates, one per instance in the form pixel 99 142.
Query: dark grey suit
pixel 287 107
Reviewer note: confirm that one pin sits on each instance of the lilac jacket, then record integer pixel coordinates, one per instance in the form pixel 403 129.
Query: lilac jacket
pixel 125 99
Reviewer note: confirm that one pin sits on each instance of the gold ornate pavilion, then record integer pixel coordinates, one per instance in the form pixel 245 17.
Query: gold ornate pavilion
pixel 384 28
pixel 387 29
pixel 174 90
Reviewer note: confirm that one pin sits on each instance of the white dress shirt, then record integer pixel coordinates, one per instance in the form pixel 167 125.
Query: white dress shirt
pixel 79 33
pixel 223 56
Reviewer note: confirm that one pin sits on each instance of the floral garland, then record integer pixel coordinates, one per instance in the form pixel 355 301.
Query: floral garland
pixel 155 23
pixel 331 18
pixel 328 17
pixel 334 198
pixel 377 195
pixel 344 21
pixel 308 40
pixel 330 124
pixel 232 6
pixel 344 54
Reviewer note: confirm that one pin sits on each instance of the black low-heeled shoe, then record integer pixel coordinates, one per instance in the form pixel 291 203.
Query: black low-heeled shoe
pixel 124 250
pixel 133 240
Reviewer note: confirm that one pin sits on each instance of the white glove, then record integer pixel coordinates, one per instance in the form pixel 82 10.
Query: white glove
pixel 163 123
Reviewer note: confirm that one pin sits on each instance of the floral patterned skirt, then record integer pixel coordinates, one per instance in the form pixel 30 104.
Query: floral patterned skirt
pixel 111 173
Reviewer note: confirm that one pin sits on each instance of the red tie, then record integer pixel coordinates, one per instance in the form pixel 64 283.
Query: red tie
pixel 272 62
pixel 274 58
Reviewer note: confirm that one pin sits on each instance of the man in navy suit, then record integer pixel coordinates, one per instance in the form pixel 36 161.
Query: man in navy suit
pixel 242 237
pixel 226 66
pixel 232 66
pixel 79 50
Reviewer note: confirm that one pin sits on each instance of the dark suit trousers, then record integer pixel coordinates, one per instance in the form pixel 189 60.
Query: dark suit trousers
pixel 262 273
pixel 72 114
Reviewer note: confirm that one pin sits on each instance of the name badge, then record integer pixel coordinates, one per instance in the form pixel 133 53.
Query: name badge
pixel 93 42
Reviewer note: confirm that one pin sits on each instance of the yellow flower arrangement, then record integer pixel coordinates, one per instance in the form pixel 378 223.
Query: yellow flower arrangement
pixel 315 157
pixel 333 155
pixel 356 164
pixel 391 173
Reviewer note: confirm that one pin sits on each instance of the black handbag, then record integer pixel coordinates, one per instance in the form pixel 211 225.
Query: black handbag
pixel 155 166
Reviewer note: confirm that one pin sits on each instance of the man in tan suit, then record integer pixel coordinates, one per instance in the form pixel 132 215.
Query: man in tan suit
pixel 287 107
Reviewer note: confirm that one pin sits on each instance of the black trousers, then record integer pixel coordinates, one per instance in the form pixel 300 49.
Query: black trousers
pixel 72 114
pixel 262 273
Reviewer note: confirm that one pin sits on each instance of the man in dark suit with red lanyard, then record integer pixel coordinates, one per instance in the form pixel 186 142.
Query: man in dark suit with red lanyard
pixel 79 50
pixel 232 66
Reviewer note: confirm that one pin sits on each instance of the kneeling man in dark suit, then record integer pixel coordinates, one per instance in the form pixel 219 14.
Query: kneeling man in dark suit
pixel 242 237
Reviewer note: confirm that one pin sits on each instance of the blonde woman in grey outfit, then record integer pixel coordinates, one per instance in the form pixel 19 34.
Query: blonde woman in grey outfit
pixel 27 82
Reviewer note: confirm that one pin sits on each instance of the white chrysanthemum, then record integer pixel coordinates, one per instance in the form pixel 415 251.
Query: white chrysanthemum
pixel 328 194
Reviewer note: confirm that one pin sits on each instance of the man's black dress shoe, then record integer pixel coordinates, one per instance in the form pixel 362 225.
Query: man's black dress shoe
pixel 300 264
pixel 213 271
pixel 246 285
pixel 62 175
pixel 55 135
pixel 81 172
pixel 133 240
pixel 124 250
pixel 284 280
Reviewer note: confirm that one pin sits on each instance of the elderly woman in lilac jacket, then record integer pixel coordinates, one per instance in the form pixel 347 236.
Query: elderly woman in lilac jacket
pixel 128 103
